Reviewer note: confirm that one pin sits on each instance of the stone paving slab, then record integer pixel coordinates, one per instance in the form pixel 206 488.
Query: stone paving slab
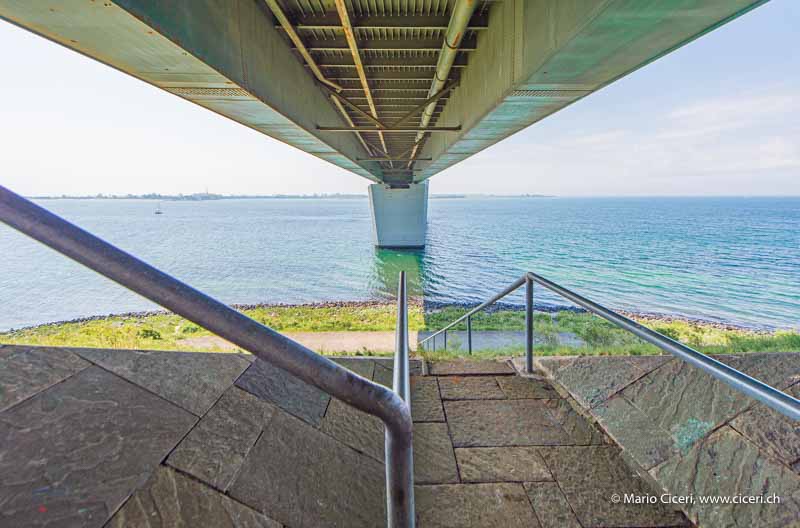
pixel 426 403
pixel 72 454
pixel 25 371
pixel 321 468
pixel 357 429
pixel 495 423
pixel 590 475
pixel 646 442
pixel 216 448
pixel 470 388
pixel 550 505
pixel 577 427
pixel 364 367
pixel 519 388
pixel 302 477
pixel 726 464
pixel 474 505
pixel 172 500
pixel 772 431
pixel 384 371
pixel 779 369
pixel 673 419
pixel 464 367
pixel 276 386
pixel 662 394
pixel 383 375
pixel 191 380
pixel 415 367
pixel 434 461
pixel 501 464
pixel 592 380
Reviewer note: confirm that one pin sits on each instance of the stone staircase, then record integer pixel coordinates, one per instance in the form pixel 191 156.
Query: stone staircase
pixel 92 437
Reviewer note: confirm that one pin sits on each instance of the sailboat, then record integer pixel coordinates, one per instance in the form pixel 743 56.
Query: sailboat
pixel 158 209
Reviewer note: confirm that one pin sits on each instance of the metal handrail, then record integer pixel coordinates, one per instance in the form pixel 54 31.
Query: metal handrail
pixel 769 396
pixel 401 384
pixel 263 342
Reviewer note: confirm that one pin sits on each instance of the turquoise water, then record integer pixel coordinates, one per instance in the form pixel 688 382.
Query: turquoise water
pixel 733 260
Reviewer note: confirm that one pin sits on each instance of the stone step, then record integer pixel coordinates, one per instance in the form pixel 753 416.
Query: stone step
pixel 204 439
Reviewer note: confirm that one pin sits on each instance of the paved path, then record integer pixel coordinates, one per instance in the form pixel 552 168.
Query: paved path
pixel 496 339
pixel 353 342
pixel 323 342
pixel 92 437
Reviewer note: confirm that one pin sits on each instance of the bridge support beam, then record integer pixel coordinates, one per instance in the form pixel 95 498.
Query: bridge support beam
pixel 399 215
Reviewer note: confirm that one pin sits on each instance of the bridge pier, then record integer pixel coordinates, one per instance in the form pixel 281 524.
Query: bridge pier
pixel 399 215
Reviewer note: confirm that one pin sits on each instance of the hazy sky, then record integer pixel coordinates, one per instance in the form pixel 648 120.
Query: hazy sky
pixel 719 116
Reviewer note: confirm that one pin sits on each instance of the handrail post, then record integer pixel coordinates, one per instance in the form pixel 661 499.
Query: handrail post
pixel 400 456
pixel 528 324
pixel 469 334
pixel 445 341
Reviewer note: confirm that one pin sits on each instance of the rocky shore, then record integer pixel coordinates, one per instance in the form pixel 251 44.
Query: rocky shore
pixel 429 307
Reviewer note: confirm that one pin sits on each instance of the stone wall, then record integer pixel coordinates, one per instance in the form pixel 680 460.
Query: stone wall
pixel 693 435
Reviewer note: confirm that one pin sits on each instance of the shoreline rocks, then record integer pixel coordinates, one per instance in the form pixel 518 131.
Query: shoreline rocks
pixel 428 307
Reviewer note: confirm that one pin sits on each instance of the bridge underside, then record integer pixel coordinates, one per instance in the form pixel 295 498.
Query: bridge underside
pixel 392 91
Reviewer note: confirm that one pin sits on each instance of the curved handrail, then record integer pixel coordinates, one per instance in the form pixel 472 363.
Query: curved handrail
pixel 770 396
pixel 263 342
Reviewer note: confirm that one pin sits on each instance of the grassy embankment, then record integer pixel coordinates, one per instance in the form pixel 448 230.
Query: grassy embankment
pixel 170 332
pixel 603 338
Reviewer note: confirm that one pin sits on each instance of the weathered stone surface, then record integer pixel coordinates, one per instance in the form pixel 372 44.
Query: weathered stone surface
pixel 215 449
pixel 384 371
pixel 517 388
pixel 414 365
pixel 169 499
pixel 192 380
pixel 474 505
pixel 635 432
pixel 550 505
pixel 364 367
pixel 383 375
pixel 501 464
pixel 275 385
pixel 463 367
pixel 494 423
pixel 578 428
pixel 590 475
pixel 426 404
pixel 779 369
pixel 357 429
pixel 725 464
pixel 71 455
pixel 771 430
pixel 302 477
pixel 649 363
pixel 592 380
pixel 434 461
pixel 25 371
pixel 685 401
pixel 470 388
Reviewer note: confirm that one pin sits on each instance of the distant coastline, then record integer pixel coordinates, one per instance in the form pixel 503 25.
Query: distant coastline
pixel 202 197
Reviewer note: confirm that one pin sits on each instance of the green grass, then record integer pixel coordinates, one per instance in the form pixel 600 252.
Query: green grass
pixel 171 332
pixel 603 338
